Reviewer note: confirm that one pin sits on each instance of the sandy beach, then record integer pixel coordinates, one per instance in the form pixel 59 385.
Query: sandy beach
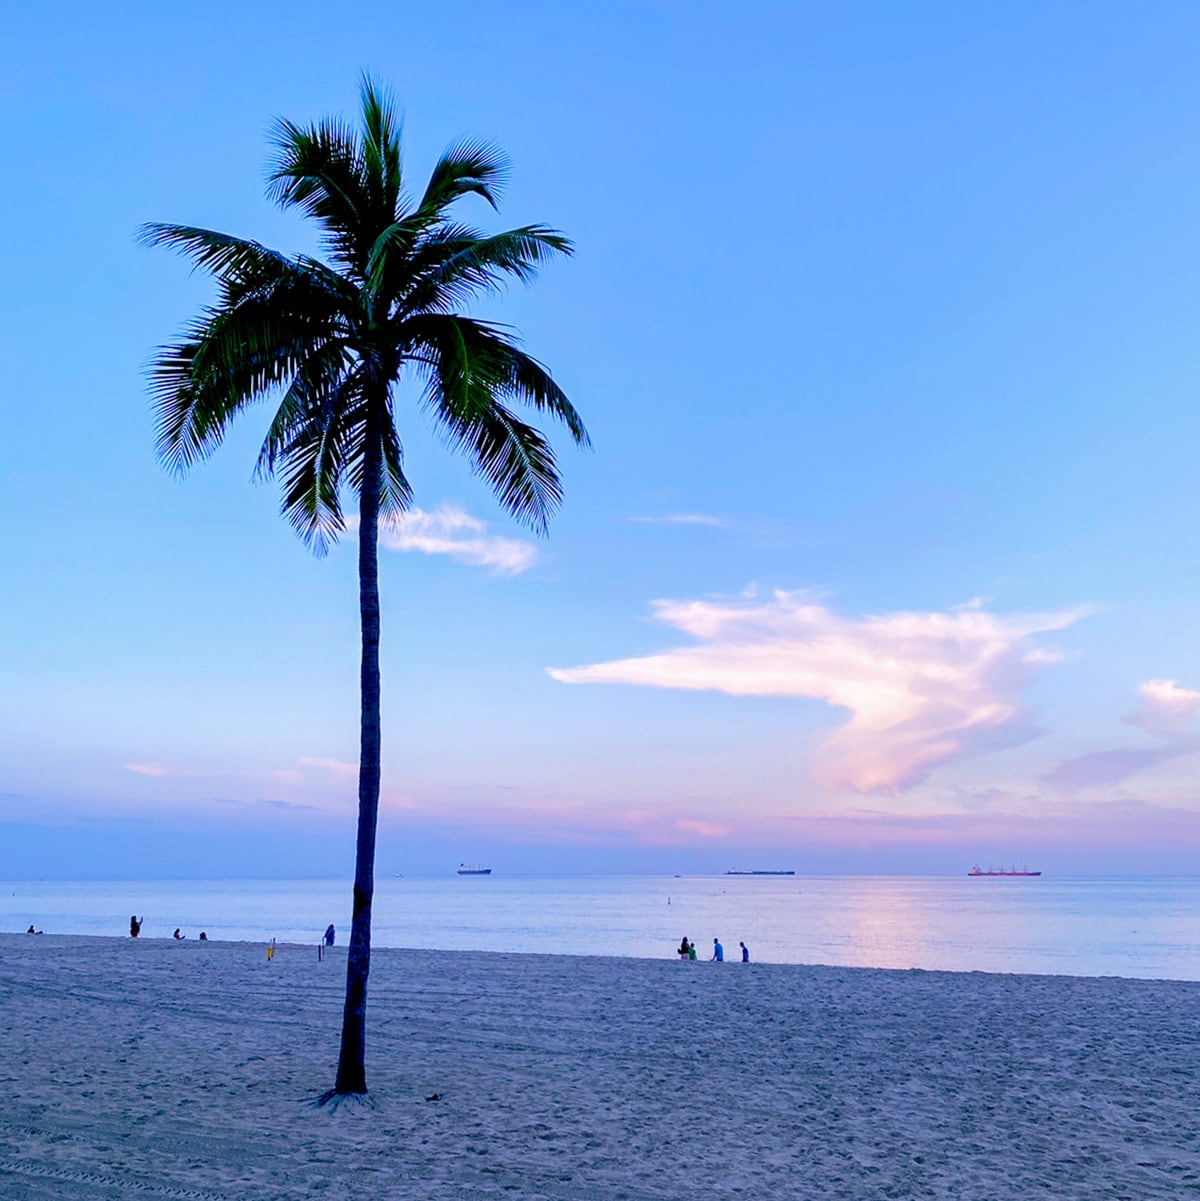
pixel 188 1070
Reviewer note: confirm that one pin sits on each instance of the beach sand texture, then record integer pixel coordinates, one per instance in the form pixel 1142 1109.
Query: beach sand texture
pixel 187 1070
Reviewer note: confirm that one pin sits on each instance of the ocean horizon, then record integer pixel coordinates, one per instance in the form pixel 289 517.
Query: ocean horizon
pixel 1142 927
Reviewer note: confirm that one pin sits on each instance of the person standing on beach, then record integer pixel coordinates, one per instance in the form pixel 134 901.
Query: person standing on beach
pixel 745 952
pixel 330 934
pixel 718 952
pixel 692 951
pixel 135 926
pixel 684 948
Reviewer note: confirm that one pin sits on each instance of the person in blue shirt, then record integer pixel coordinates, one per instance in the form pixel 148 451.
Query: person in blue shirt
pixel 718 952
pixel 745 952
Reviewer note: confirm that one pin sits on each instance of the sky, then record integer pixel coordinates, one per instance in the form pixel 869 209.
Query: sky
pixel 885 322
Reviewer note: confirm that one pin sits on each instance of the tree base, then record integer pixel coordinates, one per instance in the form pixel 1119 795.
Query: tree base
pixel 354 1102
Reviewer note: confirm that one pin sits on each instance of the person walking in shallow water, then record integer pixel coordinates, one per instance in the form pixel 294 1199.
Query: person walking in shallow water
pixel 135 926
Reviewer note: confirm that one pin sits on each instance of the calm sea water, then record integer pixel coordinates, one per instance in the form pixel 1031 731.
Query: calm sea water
pixel 1087 927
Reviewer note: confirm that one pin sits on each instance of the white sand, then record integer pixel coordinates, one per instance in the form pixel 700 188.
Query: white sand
pixel 185 1070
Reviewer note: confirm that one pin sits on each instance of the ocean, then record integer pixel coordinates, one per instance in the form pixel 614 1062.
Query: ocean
pixel 1146 928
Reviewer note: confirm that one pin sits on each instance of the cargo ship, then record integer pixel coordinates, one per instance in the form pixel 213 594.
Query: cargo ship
pixel 1001 871
pixel 473 869
pixel 758 871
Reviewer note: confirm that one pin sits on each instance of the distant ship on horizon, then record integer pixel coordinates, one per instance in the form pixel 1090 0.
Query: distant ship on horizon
pixel 473 869
pixel 1001 871
pixel 758 871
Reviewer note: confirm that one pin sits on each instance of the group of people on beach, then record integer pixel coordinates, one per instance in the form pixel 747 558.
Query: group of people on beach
pixel 687 951
pixel 135 928
pixel 179 936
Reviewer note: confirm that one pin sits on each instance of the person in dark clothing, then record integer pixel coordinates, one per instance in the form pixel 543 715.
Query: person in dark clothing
pixel 684 948
pixel 203 936
pixel 135 926
pixel 745 952
pixel 177 936
pixel 330 934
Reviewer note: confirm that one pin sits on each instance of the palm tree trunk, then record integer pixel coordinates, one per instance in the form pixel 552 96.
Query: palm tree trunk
pixel 351 1072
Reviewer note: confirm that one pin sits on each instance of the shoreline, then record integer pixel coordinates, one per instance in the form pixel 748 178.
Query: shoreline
pixel 259 945
pixel 1087 929
pixel 136 1067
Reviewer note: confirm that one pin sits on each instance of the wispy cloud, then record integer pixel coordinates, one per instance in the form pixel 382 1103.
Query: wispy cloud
pixel 260 803
pixel 157 771
pixel 683 519
pixel 1167 713
pixel 703 829
pixel 1011 831
pixel 337 766
pixel 922 688
pixel 453 532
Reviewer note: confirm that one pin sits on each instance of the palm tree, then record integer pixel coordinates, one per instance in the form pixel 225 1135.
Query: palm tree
pixel 330 341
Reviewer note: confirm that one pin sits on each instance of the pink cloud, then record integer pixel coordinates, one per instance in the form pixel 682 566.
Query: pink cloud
pixel 337 766
pixel 148 769
pixel 1167 709
pixel 703 829
pixel 922 688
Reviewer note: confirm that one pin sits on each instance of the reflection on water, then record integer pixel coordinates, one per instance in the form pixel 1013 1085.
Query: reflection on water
pixel 1125 927
pixel 883 925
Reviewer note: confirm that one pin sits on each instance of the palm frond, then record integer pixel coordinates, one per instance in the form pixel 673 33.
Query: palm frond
pixel 466 167
pixel 209 250
pixel 397 492
pixel 469 370
pixel 455 263
pixel 382 157
pixel 321 171
pixel 313 465
pixel 229 358
pixel 513 457
pixel 478 362
pixel 326 377
pixel 243 265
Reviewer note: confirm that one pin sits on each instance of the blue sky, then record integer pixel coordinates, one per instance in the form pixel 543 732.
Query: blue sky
pixel 884 322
